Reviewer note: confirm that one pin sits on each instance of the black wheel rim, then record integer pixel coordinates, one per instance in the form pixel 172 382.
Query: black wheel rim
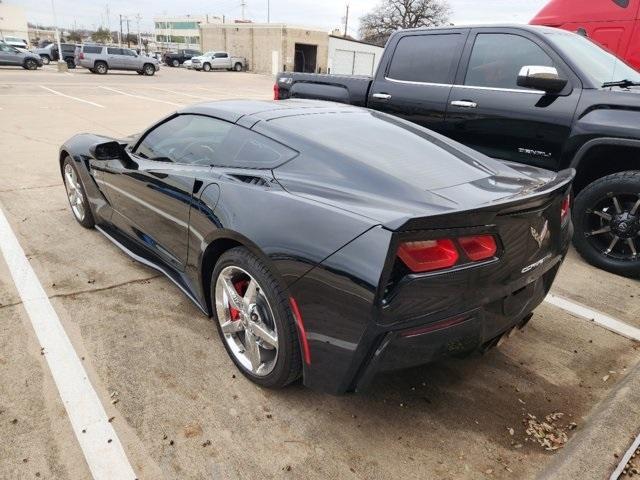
pixel 612 226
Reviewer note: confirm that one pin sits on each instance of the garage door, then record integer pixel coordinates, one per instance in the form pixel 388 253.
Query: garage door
pixel 342 62
pixel 364 63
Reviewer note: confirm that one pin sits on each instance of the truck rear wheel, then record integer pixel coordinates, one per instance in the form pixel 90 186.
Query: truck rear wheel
pixel 238 67
pixel 606 216
pixel 175 63
pixel 100 68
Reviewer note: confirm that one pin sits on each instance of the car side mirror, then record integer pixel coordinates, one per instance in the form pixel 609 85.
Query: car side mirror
pixel 542 78
pixel 107 151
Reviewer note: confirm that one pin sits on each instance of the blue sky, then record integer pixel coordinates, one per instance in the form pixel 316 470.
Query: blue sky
pixel 327 14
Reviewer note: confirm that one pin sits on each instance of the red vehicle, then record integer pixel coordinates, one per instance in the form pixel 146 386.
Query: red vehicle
pixel 614 24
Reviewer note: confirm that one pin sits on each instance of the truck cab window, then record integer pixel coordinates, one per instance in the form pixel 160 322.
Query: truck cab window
pixel 426 58
pixel 497 58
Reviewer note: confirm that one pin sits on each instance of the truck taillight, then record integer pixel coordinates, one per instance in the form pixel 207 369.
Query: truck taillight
pixel 443 253
pixel 276 91
pixel 81 56
pixel 565 209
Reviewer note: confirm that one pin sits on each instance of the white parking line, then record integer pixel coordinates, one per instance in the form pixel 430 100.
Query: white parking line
pixel 601 319
pixel 625 459
pixel 142 97
pixel 98 440
pixel 69 96
pixel 180 93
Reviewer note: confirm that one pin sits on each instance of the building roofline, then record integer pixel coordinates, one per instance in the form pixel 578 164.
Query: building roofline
pixel 354 40
pixel 262 25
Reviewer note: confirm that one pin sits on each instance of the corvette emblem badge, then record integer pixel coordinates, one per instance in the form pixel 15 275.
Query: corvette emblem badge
pixel 539 237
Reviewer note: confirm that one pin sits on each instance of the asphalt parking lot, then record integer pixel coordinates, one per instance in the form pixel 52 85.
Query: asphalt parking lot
pixel 178 405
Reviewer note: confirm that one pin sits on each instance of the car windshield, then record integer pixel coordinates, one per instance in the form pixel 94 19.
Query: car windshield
pixel 600 65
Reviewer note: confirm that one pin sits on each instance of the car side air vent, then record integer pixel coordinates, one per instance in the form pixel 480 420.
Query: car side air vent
pixel 251 180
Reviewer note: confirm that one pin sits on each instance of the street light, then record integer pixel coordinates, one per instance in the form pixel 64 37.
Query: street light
pixel 62 65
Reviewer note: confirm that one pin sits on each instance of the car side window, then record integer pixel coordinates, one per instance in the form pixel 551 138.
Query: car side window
pixel 114 51
pixel 190 139
pixel 244 148
pixel 221 55
pixel 497 58
pixel 5 48
pixel 128 52
pixel 426 58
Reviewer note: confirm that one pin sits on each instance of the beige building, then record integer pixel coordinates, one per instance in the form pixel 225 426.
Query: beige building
pixel 271 47
pixel 13 22
pixel 183 32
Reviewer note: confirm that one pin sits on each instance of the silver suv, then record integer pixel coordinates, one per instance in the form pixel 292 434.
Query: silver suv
pixel 100 59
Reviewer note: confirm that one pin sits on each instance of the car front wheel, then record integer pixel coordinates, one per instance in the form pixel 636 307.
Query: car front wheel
pixel 607 223
pixel 46 60
pixel 149 70
pixel 30 64
pixel 76 194
pixel 206 67
pixel 254 319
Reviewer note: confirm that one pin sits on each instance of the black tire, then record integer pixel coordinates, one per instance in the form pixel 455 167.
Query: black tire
pixel 139 72
pixel 45 59
pixel 625 188
pixel 206 67
pixel 71 63
pixel 30 64
pixel 149 70
pixel 175 63
pixel 288 364
pixel 87 221
pixel 238 67
pixel 101 68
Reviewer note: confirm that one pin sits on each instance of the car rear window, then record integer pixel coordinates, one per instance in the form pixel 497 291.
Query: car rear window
pixel 88 49
pixel 386 144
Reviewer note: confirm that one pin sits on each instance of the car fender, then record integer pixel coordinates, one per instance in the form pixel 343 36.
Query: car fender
pixel 596 142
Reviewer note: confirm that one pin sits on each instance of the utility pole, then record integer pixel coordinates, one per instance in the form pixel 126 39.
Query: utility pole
pixel 128 37
pixel 268 11
pixel 346 22
pixel 138 17
pixel 120 36
pixel 243 5
pixel 61 61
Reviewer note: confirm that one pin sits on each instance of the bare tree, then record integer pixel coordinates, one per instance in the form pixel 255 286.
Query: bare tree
pixel 392 15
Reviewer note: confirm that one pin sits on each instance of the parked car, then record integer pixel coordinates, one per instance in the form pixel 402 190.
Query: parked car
pixel 50 54
pixel 325 240
pixel 100 59
pixel 614 24
pixel 12 56
pixel 218 61
pixel 175 59
pixel 535 95
pixel 15 41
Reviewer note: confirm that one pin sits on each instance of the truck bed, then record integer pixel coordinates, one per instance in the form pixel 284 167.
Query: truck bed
pixel 351 89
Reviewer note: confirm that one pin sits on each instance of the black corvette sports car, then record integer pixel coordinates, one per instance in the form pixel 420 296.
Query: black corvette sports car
pixel 327 241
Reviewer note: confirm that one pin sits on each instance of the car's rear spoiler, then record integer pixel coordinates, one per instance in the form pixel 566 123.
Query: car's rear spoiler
pixel 485 215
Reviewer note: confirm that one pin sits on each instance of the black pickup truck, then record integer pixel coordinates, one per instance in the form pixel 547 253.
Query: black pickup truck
pixel 175 59
pixel 533 95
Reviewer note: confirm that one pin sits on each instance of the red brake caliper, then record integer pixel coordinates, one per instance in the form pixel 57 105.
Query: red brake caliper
pixel 241 288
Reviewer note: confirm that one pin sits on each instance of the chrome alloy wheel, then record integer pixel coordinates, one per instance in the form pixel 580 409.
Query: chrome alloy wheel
pixel 246 321
pixel 74 192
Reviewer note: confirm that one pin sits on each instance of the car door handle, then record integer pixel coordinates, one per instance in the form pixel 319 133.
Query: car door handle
pixel 381 96
pixel 464 104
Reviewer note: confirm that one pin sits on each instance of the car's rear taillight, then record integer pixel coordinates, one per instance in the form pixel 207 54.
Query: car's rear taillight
pixel 81 56
pixel 276 91
pixel 565 209
pixel 428 255
pixel 431 255
pixel 479 247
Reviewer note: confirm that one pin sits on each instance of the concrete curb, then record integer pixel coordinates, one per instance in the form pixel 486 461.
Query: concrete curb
pixel 609 429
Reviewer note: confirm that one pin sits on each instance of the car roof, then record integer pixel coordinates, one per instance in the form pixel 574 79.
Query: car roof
pixel 249 112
